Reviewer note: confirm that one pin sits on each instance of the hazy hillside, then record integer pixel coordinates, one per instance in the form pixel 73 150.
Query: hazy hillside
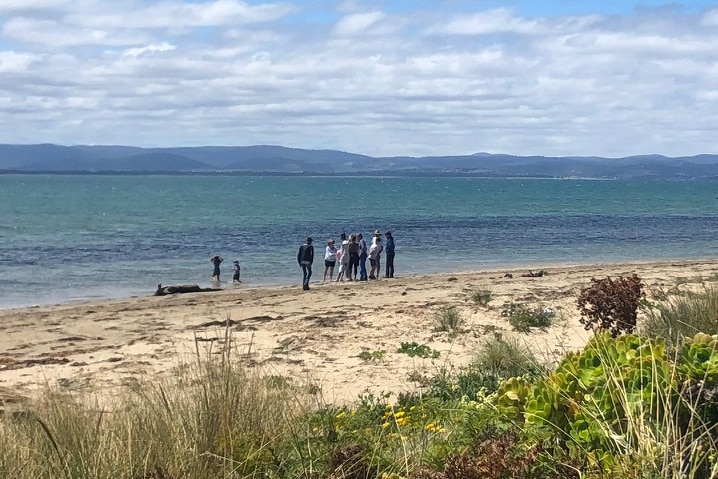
pixel 282 160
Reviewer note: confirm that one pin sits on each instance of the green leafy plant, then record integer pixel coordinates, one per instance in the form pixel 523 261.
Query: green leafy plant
pixel 522 318
pixel 626 399
pixel 415 349
pixel 611 305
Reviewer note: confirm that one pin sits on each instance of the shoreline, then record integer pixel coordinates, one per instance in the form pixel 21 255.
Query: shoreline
pixel 505 267
pixel 315 336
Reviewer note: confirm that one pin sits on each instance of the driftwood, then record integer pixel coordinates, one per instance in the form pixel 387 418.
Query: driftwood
pixel 182 288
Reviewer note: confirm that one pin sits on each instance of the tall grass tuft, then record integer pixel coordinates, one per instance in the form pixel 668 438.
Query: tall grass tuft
pixel 506 357
pixel 681 316
pixel 481 296
pixel 214 419
pixel 448 319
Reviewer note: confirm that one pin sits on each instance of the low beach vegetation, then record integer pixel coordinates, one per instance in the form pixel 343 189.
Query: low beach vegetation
pixel 611 304
pixel 630 405
pixel 376 355
pixel 522 317
pixel 449 319
pixel 414 349
pixel 506 356
pixel 679 314
pixel 481 296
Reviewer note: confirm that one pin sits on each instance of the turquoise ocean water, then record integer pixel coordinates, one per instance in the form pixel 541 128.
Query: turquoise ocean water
pixel 64 237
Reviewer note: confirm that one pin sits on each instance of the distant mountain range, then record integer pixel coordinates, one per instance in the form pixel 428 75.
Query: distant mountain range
pixel 264 159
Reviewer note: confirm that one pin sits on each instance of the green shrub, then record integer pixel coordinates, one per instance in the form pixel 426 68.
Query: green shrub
pixel 625 403
pixel 611 305
pixel 522 318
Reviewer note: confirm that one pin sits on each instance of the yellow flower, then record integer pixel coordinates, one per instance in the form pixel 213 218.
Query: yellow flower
pixel 341 415
pixel 400 414
pixel 385 425
pixel 315 430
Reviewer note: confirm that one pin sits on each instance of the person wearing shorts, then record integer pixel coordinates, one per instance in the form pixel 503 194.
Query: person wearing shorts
pixel 216 260
pixel 330 260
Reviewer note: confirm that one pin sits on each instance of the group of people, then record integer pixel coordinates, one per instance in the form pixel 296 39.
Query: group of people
pixel 216 260
pixel 351 256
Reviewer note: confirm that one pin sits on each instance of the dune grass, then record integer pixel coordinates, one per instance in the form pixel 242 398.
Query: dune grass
pixel 623 407
pixel 681 314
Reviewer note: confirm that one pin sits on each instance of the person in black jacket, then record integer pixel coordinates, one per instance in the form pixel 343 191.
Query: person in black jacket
pixel 305 258
pixel 389 248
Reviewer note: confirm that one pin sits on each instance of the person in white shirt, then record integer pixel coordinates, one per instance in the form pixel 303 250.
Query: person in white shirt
pixel 343 256
pixel 330 260
pixel 374 256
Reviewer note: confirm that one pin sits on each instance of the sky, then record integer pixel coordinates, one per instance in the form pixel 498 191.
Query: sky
pixel 381 78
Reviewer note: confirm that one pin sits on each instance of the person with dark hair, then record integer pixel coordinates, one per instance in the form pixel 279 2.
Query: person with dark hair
pixel 235 271
pixel 305 258
pixel 389 248
pixel 353 250
pixel 374 257
pixel 330 259
pixel 363 253
pixel 216 260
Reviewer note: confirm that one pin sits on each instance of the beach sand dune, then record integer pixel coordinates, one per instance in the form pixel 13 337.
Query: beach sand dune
pixel 315 335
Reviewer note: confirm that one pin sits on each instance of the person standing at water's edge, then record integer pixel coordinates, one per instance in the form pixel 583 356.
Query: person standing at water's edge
pixel 353 249
pixel 235 272
pixel 216 260
pixel 305 258
pixel 389 248
pixel 363 253
pixel 374 252
pixel 330 259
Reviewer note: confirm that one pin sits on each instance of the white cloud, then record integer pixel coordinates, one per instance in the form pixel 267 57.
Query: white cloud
pixel 153 48
pixel 710 18
pixel 357 23
pixel 373 81
pixel 12 62
pixel 500 20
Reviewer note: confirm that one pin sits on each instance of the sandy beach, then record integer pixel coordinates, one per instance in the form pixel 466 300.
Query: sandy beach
pixel 314 335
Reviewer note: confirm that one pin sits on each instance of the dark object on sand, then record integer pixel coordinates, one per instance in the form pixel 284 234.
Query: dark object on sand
pixel 508 275
pixel 534 274
pixel 182 288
